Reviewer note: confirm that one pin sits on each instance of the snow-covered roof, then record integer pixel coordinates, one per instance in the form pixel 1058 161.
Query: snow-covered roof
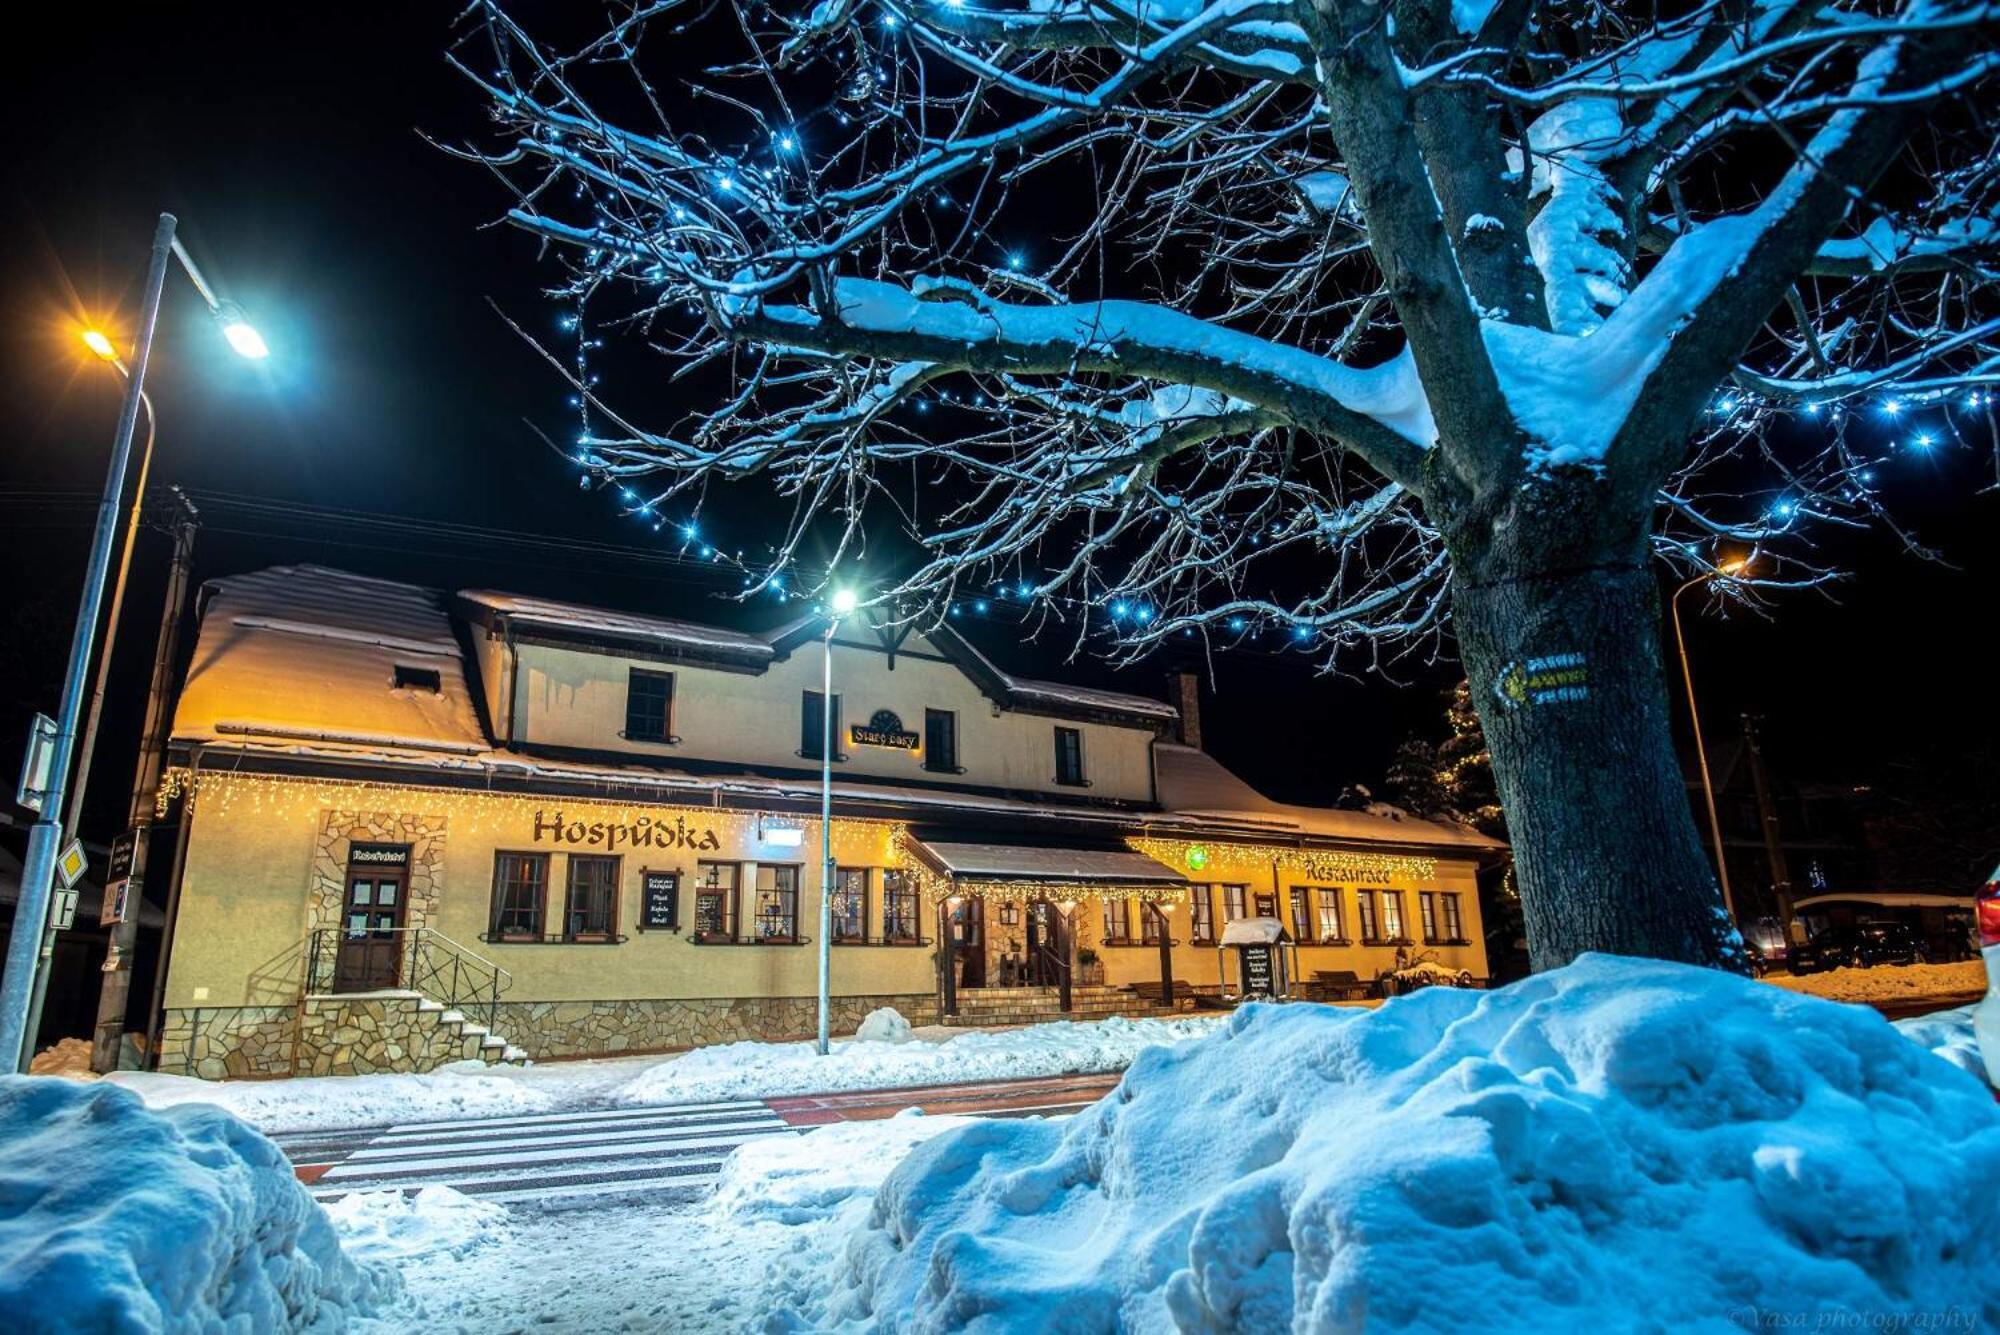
pixel 1007 862
pixel 1193 783
pixel 310 653
pixel 1254 932
pixel 526 611
pixel 1059 697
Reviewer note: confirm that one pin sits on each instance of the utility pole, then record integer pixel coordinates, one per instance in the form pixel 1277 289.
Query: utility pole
pixel 1767 811
pixel 17 986
pixel 114 997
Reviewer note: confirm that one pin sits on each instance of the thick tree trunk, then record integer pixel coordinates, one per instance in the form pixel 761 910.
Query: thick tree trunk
pixel 1566 674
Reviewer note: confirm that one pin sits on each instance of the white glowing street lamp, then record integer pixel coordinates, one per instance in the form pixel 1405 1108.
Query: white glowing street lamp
pixel 842 603
pixel 31 913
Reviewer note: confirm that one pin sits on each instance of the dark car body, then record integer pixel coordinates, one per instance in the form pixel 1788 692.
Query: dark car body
pixel 1860 946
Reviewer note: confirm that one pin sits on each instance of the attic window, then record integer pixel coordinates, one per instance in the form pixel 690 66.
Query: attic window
pixel 418 679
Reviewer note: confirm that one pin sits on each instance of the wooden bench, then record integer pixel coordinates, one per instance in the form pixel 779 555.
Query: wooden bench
pixel 1340 985
pixel 1151 991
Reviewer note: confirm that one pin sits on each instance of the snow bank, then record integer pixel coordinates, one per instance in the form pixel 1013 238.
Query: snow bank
pixel 1949 1035
pixel 797 1179
pixel 884 1024
pixel 737 1070
pixel 1890 983
pixel 761 1070
pixel 1617 1145
pixel 316 1103
pixel 116 1218
pixel 390 1226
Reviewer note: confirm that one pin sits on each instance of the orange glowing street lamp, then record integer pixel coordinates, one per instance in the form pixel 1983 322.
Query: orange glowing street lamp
pixel 23 978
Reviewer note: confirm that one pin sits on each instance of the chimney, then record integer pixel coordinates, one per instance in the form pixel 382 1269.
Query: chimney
pixel 1184 694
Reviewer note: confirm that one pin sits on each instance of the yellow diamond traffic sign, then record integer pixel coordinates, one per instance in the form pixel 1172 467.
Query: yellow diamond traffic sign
pixel 70 864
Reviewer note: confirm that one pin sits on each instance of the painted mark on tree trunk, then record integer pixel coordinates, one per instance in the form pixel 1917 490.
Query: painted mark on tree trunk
pixel 1547 680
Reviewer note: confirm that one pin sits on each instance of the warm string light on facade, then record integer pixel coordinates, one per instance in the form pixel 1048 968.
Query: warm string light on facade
pixel 221 792
pixel 1320 864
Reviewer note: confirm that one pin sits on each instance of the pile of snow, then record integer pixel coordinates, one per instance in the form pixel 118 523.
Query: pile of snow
pixel 436 1221
pixel 1616 1145
pixel 317 1103
pixel 884 1024
pixel 113 1217
pixel 1948 1034
pixel 69 1056
pixel 737 1070
pixel 763 1070
pixel 798 1179
pixel 1888 983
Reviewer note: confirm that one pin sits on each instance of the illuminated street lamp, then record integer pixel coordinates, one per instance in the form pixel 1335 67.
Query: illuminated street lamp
pixel 843 603
pixel 25 949
pixel 1727 570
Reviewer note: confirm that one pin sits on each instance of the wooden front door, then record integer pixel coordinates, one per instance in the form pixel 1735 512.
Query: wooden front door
pixel 371 948
pixel 1045 944
pixel 968 928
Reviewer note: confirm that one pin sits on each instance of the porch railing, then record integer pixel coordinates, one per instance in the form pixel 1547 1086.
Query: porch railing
pixel 415 959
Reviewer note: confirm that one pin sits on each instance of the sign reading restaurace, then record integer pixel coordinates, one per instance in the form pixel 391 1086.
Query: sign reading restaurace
pixel 884 729
pixel 645 832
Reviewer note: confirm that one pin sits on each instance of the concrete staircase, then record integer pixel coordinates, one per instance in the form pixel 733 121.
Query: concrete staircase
pixel 393 1029
pixel 475 1041
pixel 1043 1005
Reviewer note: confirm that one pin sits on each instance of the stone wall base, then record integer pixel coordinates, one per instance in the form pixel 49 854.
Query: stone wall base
pixel 387 1031
pixel 362 1034
pixel 607 1028
pixel 214 1042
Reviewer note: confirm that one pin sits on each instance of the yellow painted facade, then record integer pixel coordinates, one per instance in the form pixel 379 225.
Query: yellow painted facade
pixel 352 774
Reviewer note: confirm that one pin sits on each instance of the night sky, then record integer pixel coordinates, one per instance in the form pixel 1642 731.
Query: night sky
pixel 287 141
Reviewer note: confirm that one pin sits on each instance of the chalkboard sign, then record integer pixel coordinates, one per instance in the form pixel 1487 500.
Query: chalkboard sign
pixel 659 901
pixel 1257 971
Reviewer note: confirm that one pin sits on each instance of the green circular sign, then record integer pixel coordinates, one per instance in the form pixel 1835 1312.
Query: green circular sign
pixel 1197 858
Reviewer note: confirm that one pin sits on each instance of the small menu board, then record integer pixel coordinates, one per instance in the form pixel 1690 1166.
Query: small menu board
pixel 1257 971
pixel 659 901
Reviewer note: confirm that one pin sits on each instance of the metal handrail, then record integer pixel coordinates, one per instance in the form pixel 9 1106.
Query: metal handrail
pixel 427 961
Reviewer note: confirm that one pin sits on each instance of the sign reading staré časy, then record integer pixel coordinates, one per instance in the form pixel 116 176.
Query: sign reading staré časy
pixel 641 832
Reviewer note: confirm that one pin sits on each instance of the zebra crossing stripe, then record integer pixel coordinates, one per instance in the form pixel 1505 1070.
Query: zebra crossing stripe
pixel 383 1147
pixel 598 1115
pixel 427 1166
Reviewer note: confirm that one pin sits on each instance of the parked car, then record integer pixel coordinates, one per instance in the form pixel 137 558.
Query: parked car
pixel 1860 946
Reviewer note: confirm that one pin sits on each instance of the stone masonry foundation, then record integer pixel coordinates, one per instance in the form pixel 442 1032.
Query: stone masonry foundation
pixel 399 1031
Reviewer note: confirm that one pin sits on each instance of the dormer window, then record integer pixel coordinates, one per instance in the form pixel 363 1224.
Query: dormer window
pixel 649 706
pixel 418 679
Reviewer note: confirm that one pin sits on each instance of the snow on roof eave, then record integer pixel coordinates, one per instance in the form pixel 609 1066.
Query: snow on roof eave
pixel 1054 693
pixel 605 621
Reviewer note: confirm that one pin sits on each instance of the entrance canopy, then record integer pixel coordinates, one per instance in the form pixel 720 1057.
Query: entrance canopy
pixel 980 869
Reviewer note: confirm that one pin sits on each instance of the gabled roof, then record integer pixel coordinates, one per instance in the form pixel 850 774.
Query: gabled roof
pixel 311 653
pixel 1195 784
pixel 1031 696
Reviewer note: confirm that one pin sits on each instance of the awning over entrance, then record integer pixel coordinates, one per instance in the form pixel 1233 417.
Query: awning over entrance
pixel 980 868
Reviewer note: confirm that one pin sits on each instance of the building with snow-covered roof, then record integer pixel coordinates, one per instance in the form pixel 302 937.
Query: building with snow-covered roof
pixel 423 826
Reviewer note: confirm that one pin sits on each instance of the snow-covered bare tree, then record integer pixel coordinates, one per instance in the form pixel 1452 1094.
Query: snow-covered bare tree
pixel 1348 318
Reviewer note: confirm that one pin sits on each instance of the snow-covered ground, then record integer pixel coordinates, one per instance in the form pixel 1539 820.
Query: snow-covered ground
pixel 728 1071
pixel 117 1218
pixel 1888 983
pixel 473 1266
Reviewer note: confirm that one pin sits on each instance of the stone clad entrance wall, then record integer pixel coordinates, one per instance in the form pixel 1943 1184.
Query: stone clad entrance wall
pixel 339 829
pixel 606 1028
pixel 364 1033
